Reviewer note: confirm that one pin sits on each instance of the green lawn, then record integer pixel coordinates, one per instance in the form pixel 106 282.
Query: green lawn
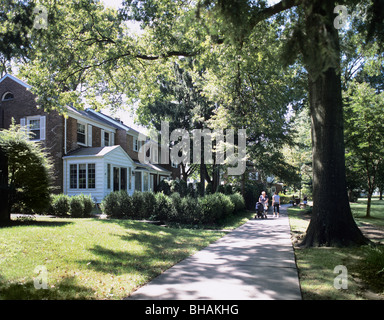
pixel 90 258
pixel 377 212
pixel 365 265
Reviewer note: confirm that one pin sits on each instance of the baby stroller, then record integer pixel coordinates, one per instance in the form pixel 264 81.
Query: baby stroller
pixel 260 211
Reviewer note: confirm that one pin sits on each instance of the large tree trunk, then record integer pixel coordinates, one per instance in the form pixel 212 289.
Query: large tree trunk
pixel 332 223
pixel 4 208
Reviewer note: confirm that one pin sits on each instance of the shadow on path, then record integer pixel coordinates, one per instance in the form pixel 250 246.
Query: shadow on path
pixel 255 261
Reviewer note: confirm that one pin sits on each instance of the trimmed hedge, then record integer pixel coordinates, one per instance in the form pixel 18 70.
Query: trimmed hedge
pixel 174 208
pixel 79 206
pixel 59 205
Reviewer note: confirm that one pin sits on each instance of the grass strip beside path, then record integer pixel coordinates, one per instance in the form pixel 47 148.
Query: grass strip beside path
pixel 365 265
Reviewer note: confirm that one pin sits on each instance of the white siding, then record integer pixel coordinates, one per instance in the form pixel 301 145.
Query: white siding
pixel 116 158
pixel 89 135
pixel 97 192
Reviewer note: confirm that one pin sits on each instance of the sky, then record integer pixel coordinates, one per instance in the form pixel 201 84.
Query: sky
pixel 112 3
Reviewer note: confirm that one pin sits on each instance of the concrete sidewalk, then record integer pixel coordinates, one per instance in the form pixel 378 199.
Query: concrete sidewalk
pixel 255 261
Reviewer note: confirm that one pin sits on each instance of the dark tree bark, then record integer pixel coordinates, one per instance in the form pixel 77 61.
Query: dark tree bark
pixel 332 223
pixel 4 208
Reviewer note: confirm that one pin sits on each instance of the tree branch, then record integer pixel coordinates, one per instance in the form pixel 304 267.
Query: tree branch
pixel 272 10
pixel 167 55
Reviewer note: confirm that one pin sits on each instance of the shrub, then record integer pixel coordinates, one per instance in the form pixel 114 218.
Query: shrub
pixel 165 210
pixel 176 200
pixel 138 207
pixel 164 186
pixel 211 208
pixel 238 200
pixel 110 205
pixel 31 167
pixel 124 204
pixel 190 210
pixel 76 207
pixel 149 205
pixel 60 204
pixel 191 190
pixel 88 204
pixel 227 205
pixel 118 204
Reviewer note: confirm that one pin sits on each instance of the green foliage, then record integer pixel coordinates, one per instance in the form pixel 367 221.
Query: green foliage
pixel 181 187
pixel 88 204
pixel 110 205
pixel 60 204
pixel 364 133
pixel 214 207
pixel 190 210
pixel 238 200
pixel 149 204
pixel 165 210
pixel 76 207
pixel 29 169
pixel 174 208
pixel 80 206
pixel 252 194
pixel 176 200
pixel 164 187
pixel 138 205
pixel 124 205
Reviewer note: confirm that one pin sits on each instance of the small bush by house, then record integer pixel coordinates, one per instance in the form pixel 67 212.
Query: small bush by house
pixel 59 205
pixel 79 206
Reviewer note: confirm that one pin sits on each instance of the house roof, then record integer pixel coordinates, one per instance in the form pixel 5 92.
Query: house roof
pixel 83 114
pixel 16 80
pixel 103 117
pixel 91 152
pixel 88 113
pixel 151 167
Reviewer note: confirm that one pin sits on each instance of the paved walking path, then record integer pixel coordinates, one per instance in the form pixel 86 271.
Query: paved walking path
pixel 255 261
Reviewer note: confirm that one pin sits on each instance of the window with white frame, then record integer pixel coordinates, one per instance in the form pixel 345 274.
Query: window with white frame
pixel 35 126
pixel 7 96
pixel 91 176
pixel 73 176
pixel 82 176
pixel 81 133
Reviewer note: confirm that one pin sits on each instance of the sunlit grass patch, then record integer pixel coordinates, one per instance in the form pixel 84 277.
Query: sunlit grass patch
pixel 90 258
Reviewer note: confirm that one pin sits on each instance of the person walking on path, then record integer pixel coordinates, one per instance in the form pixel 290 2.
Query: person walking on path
pixel 276 204
pixel 263 199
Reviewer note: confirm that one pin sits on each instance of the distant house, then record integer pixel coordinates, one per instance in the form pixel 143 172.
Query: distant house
pixel 92 153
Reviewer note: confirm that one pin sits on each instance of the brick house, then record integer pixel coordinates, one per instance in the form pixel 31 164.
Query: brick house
pixel 92 153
